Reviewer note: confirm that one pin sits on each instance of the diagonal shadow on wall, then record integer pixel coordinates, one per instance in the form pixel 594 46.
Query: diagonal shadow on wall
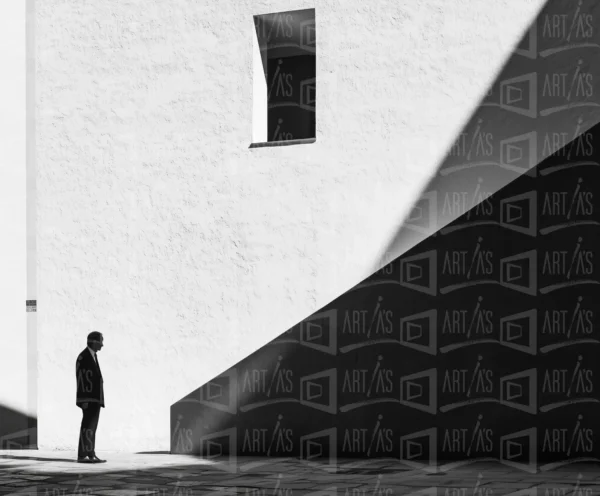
pixel 546 94
pixel 476 341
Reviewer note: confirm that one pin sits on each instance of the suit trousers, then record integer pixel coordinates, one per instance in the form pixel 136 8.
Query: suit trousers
pixel 87 433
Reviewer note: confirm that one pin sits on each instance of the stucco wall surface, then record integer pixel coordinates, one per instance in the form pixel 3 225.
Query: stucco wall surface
pixel 13 249
pixel 159 227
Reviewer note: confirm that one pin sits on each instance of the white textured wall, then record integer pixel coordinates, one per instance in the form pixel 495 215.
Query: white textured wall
pixel 13 252
pixel 159 227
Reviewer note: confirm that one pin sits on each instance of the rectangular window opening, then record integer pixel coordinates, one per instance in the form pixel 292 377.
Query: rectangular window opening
pixel 284 78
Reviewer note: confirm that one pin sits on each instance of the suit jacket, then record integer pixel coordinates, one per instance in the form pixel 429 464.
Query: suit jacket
pixel 90 386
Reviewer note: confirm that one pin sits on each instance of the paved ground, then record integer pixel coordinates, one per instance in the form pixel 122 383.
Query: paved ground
pixel 56 473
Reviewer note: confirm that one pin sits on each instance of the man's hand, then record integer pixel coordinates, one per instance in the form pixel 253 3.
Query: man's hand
pixel 84 405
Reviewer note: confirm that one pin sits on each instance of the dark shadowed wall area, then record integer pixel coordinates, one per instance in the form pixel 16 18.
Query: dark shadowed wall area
pixel 477 338
pixel 479 343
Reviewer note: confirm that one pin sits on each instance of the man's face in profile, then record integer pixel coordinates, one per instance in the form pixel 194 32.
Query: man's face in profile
pixel 97 345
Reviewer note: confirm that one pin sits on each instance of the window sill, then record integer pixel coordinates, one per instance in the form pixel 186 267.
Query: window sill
pixel 264 144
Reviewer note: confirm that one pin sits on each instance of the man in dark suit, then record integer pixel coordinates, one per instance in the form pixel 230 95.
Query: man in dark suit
pixel 90 397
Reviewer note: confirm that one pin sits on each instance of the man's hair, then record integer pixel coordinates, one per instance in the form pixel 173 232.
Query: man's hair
pixel 94 336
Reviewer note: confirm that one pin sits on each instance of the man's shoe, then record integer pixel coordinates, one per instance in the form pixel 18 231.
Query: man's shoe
pixel 95 459
pixel 84 459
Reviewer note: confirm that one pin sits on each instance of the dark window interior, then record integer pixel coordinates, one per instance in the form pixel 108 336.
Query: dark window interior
pixel 287 43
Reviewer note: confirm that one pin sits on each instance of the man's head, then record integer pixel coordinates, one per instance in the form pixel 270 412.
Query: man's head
pixel 95 340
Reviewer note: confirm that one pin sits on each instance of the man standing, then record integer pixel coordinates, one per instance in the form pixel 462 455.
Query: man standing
pixel 90 397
